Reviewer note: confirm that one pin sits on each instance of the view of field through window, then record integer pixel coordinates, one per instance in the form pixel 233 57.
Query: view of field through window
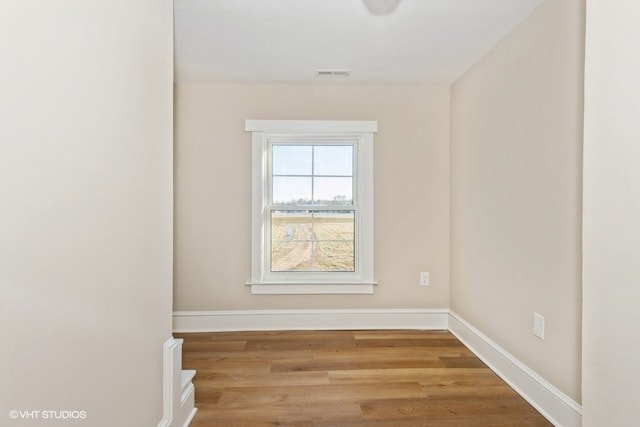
pixel 304 238
pixel 312 241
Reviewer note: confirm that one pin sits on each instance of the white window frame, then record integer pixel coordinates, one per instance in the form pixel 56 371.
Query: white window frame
pixel 358 133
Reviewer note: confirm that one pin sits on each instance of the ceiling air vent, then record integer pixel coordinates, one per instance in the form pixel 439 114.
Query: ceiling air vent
pixel 335 74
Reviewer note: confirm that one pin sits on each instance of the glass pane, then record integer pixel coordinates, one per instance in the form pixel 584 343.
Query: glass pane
pixel 291 256
pixel 333 160
pixel 291 190
pixel 289 226
pixel 291 246
pixel 291 159
pixel 333 191
pixel 312 241
pixel 333 225
pixel 333 256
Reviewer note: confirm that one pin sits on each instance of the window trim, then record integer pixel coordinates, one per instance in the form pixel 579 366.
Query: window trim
pixel 359 282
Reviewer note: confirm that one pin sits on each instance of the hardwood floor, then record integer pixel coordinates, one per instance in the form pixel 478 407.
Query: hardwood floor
pixel 347 378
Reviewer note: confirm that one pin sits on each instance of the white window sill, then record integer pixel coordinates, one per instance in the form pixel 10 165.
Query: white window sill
pixel 288 288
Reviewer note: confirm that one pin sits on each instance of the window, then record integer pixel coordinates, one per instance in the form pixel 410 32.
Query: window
pixel 312 206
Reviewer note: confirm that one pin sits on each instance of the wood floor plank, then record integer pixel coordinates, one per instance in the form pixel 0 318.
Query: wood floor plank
pixel 350 364
pixel 230 365
pixel 469 392
pixel 461 377
pixel 347 378
pixel 408 342
pixel 450 420
pixel 462 362
pixel 209 395
pixel 213 356
pixel 424 376
pixel 401 333
pixel 277 414
pixel 302 343
pixel 209 346
pixel 241 397
pixel 383 408
pixel 242 379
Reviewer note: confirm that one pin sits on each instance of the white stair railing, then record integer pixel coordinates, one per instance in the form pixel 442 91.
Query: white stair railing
pixel 178 390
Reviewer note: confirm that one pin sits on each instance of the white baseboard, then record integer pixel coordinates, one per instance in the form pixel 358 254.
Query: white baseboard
pixel 554 405
pixel 265 320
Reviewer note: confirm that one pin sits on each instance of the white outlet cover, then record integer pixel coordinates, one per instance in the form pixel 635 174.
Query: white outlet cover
pixel 424 278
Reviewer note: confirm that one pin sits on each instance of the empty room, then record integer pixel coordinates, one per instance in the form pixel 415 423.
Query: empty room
pixel 473 114
pixel 319 213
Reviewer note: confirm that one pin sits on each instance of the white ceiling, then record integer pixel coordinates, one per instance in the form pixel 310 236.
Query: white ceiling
pixel 278 41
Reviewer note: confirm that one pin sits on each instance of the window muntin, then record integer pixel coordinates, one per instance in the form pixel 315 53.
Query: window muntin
pixel 312 241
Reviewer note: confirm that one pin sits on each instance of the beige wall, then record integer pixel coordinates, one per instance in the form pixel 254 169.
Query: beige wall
pixel 85 223
pixel 213 190
pixel 611 211
pixel 516 192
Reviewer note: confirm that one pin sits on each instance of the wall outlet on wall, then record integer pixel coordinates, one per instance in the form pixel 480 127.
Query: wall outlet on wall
pixel 538 325
pixel 424 278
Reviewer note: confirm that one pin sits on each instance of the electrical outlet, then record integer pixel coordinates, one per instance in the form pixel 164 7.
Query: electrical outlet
pixel 424 278
pixel 538 325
